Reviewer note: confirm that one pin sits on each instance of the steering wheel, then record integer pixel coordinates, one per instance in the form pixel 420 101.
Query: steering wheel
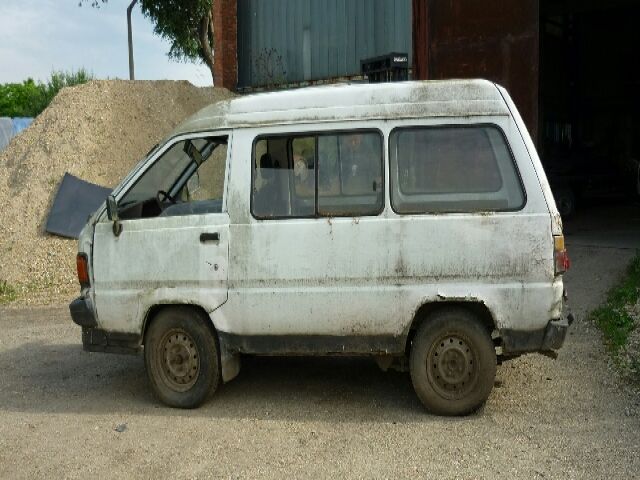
pixel 163 196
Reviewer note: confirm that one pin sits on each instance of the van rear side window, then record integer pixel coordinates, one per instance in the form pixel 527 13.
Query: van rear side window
pixel 453 169
pixel 315 175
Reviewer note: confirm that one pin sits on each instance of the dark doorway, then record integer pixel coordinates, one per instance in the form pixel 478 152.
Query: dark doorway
pixel 589 137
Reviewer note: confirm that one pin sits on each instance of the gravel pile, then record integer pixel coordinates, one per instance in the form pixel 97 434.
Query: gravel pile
pixel 97 132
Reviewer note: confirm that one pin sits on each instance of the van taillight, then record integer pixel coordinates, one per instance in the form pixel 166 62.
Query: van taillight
pixel 82 263
pixel 560 255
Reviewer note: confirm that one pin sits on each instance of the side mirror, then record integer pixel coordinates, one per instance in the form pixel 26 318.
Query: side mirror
pixel 112 214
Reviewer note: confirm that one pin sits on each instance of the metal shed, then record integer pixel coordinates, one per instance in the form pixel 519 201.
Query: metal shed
pixel 295 41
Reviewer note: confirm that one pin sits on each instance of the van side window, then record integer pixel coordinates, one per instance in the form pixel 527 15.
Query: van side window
pixel 350 174
pixel 187 179
pixel 334 174
pixel 453 169
pixel 304 166
pixel 270 182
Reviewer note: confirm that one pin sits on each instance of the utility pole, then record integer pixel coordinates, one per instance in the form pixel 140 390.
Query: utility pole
pixel 132 75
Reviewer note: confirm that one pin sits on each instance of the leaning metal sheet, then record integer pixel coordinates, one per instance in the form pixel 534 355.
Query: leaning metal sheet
pixel 74 202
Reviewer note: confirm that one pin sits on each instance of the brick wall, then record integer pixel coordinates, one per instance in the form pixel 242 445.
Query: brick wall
pixel 225 31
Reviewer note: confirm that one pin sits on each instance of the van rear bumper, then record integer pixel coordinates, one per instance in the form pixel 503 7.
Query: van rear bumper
pixel 547 339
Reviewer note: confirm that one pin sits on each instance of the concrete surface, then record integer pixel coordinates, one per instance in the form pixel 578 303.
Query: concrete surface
pixel 614 225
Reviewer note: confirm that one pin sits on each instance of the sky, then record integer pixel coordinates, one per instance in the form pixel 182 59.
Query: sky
pixel 39 36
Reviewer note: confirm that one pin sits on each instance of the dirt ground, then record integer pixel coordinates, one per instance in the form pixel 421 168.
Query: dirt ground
pixel 61 411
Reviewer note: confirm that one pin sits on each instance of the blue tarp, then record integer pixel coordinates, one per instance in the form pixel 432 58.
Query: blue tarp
pixel 10 127
pixel 20 123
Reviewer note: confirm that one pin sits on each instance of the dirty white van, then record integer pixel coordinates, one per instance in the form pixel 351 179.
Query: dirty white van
pixel 410 222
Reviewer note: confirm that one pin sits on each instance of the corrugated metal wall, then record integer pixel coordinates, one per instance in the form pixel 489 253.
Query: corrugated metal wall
pixel 289 41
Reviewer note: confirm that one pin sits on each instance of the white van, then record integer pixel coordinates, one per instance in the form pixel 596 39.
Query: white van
pixel 411 222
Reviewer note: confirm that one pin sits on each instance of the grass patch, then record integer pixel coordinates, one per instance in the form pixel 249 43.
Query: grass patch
pixel 8 292
pixel 619 319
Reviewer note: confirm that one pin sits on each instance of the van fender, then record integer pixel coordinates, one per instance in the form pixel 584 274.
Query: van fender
pixel 427 305
pixel 161 297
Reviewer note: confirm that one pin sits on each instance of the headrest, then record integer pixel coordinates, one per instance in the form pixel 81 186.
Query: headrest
pixel 266 161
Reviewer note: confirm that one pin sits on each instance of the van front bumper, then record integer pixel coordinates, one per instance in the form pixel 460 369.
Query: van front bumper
pixel 81 313
pixel 97 340
pixel 547 339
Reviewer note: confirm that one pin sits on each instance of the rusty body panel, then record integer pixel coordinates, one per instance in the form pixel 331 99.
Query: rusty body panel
pixel 420 12
pixel 496 40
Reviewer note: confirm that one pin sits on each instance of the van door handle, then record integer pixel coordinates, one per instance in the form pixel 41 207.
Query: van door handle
pixel 210 237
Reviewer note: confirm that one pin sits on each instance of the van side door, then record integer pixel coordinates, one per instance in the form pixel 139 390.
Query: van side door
pixel 174 244
pixel 309 265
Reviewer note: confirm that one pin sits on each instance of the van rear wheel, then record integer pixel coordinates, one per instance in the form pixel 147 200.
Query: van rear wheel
pixel 181 357
pixel 452 363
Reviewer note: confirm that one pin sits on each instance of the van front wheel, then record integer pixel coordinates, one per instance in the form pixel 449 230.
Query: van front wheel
pixel 453 362
pixel 181 357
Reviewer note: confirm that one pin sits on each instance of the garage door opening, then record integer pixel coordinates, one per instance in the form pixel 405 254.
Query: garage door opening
pixel 589 102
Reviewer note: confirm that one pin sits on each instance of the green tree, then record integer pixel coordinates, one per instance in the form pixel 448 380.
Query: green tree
pixel 186 24
pixel 28 99
pixel 20 99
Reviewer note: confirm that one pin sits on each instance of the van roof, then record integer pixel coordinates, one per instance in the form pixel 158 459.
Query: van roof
pixel 339 102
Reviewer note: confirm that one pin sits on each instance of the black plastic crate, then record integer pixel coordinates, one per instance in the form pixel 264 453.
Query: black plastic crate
pixel 392 67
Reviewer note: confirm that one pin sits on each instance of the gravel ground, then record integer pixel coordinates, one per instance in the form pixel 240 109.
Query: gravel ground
pixel 61 409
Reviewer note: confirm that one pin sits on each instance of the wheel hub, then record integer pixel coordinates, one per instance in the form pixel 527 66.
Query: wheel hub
pixel 180 360
pixel 451 366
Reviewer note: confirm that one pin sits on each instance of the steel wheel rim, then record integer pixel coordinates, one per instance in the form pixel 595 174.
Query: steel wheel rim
pixel 452 366
pixel 178 360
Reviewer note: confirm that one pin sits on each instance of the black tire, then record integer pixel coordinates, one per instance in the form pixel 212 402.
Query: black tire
pixel 181 357
pixel 565 201
pixel 452 362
